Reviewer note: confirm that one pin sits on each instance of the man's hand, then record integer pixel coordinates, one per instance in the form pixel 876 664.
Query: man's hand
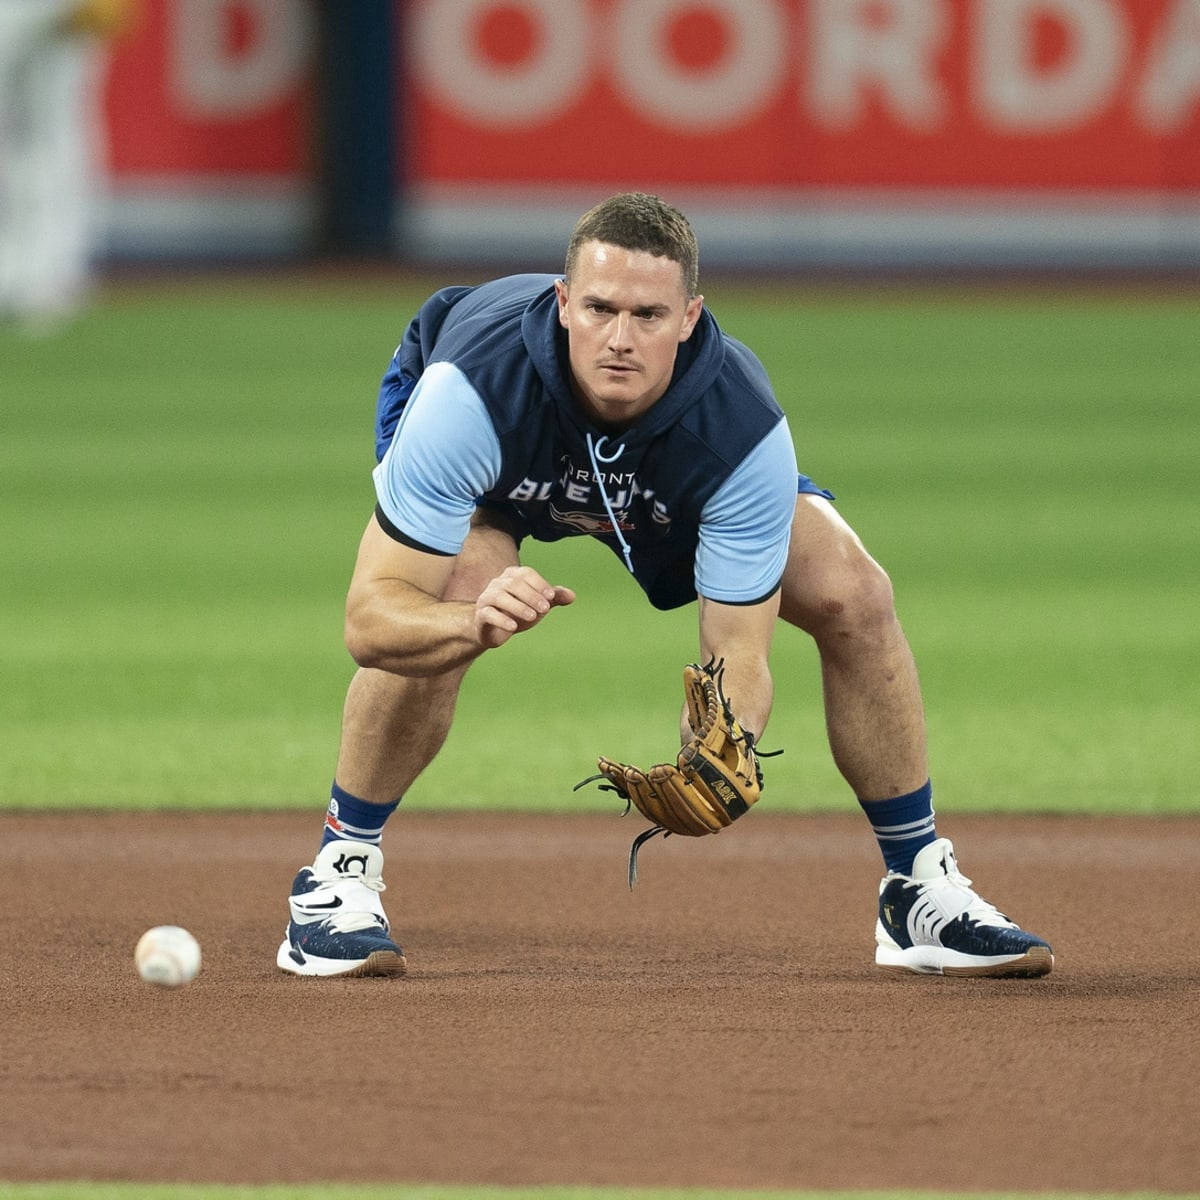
pixel 516 600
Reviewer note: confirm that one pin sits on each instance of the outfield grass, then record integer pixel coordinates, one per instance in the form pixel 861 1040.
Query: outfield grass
pixel 184 476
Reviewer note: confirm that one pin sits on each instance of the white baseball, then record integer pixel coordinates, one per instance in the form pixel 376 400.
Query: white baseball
pixel 167 955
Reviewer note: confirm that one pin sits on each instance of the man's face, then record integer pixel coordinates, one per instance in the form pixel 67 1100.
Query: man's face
pixel 625 313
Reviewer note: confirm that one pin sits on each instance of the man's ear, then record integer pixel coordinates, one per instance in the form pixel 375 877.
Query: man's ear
pixel 691 314
pixel 560 291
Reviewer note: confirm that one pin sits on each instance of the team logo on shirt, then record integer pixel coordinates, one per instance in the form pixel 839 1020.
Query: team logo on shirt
pixel 584 492
pixel 587 522
pixel 577 498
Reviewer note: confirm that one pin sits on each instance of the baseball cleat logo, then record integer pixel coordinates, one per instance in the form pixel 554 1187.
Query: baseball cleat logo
pixel 345 864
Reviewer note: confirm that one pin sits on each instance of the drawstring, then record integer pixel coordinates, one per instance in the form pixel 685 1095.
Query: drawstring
pixel 597 457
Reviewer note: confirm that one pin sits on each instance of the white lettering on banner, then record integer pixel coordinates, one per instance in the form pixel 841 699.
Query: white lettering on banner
pixel 212 82
pixel 1171 88
pixel 1017 96
pixel 452 64
pixel 727 93
pixel 887 53
pixel 854 50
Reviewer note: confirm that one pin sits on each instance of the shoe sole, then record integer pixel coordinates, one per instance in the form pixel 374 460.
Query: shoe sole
pixel 1033 964
pixel 383 964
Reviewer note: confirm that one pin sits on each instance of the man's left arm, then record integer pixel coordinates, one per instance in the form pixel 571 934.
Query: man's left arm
pixel 739 635
pixel 744 533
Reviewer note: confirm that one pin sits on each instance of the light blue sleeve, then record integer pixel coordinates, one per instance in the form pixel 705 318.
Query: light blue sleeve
pixel 745 526
pixel 443 456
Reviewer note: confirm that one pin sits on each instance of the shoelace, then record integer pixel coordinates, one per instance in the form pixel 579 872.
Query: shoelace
pixel 351 921
pixel 970 903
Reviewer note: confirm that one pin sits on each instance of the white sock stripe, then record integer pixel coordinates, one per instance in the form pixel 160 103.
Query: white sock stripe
pixel 898 833
pixel 374 836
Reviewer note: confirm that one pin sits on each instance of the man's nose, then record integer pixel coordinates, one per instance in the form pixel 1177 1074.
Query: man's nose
pixel 620 332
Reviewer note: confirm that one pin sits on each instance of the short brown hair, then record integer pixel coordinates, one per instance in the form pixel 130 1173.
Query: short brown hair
pixel 638 221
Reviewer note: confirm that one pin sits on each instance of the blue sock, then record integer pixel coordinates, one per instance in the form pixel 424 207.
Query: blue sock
pixel 902 826
pixel 350 817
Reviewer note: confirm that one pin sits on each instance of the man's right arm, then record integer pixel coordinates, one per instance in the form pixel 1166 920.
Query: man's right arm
pixel 396 620
pixel 443 456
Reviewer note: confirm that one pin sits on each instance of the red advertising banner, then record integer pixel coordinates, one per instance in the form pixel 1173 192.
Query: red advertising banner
pixel 204 87
pixel 802 131
pixel 799 94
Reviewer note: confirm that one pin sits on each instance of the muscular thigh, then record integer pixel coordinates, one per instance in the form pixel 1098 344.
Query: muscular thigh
pixel 489 548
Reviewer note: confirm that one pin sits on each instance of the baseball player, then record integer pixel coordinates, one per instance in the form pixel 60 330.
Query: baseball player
pixel 50 133
pixel 609 403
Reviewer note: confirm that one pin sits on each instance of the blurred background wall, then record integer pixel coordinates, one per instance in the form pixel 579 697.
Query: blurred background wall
pixel 1046 135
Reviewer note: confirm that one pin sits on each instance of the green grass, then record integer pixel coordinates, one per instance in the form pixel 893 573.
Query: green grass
pixel 184 476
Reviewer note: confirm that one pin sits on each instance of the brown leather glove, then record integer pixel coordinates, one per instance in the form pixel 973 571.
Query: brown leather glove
pixel 715 777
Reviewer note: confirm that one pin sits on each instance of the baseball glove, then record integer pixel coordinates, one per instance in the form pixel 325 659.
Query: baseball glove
pixel 715 777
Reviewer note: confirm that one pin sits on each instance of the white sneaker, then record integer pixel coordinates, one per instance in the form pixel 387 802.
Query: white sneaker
pixel 931 922
pixel 337 924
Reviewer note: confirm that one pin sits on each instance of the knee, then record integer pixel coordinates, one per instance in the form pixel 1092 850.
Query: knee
pixel 855 600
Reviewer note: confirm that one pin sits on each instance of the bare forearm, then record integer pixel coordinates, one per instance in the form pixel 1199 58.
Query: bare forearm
pixel 751 693
pixel 740 637
pixel 396 627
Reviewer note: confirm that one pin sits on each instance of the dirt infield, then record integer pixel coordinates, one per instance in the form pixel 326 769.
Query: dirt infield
pixel 722 1026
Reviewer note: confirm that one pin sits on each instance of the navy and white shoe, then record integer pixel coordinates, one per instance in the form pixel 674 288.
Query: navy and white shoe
pixel 931 922
pixel 338 926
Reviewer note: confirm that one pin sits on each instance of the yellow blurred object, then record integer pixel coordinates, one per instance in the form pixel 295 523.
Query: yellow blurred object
pixel 100 18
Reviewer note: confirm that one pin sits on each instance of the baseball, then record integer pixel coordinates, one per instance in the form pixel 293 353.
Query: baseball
pixel 167 955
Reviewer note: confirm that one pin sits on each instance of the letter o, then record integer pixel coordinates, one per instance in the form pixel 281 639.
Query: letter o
pixel 701 101
pixel 449 63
